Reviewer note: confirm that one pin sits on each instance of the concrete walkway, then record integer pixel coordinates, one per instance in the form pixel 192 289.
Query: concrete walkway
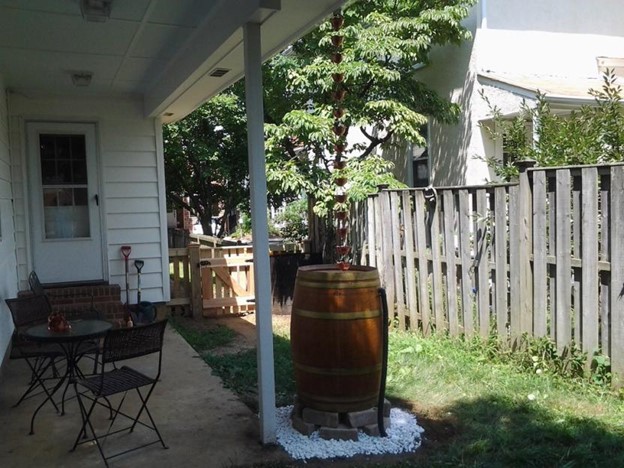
pixel 204 424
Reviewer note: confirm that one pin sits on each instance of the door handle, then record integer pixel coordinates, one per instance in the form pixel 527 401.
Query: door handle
pixel 97 199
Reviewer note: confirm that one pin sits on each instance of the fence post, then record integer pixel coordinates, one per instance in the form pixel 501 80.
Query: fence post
pixel 369 237
pixel 197 303
pixel 525 213
pixel 385 263
pixel 416 233
pixel 617 275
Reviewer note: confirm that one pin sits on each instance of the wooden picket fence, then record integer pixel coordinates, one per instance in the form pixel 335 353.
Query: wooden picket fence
pixel 544 256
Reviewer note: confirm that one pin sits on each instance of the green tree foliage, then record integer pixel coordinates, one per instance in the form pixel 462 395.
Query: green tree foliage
pixel 383 41
pixel 206 160
pixel 593 134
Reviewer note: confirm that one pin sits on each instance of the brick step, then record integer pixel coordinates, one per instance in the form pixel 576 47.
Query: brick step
pixel 106 298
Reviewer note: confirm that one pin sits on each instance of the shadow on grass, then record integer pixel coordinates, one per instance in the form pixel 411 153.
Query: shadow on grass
pixel 239 373
pixel 494 430
pixel 500 431
pixel 205 340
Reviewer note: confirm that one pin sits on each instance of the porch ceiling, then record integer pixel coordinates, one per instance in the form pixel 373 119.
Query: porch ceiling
pixel 162 50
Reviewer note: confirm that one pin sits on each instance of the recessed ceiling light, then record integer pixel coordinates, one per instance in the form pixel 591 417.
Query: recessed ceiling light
pixel 81 78
pixel 96 10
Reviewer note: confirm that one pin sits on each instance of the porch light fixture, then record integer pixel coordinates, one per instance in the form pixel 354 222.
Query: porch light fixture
pixel 96 10
pixel 81 78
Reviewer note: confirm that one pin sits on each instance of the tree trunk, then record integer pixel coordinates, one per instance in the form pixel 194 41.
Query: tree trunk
pixel 206 223
pixel 321 234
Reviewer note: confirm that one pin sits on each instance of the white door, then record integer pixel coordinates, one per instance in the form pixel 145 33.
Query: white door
pixel 64 203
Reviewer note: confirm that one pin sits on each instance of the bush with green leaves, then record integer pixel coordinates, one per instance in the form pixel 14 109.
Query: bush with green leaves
pixel 243 228
pixel 293 221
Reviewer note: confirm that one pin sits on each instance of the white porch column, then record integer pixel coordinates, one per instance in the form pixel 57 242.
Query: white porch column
pixel 260 229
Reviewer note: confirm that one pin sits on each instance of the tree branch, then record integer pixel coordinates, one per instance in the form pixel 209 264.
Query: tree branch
pixel 178 200
pixel 374 142
pixel 289 146
pixel 366 88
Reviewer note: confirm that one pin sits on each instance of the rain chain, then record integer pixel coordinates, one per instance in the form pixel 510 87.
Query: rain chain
pixel 341 214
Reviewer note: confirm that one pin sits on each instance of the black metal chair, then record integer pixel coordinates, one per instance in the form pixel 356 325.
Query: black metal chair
pixel 90 348
pixel 120 345
pixel 27 311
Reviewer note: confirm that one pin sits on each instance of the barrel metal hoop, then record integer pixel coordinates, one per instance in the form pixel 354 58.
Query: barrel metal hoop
pixel 338 371
pixel 366 314
pixel 372 283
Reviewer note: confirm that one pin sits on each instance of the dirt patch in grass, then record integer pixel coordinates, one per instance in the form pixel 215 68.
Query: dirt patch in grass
pixel 243 326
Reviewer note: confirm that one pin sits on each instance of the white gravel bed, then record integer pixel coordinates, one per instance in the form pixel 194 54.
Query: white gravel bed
pixel 404 435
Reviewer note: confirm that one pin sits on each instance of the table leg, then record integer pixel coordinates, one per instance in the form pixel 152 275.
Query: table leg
pixel 37 369
pixel 71 353
pixel 69 350
pixel 49 397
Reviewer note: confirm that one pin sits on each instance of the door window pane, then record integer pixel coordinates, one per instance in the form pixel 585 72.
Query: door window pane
pixel 64 179
pixel 79 171
pixel 81 197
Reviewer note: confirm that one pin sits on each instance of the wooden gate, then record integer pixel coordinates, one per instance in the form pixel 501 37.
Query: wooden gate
pixel 227 282
pixel 213 281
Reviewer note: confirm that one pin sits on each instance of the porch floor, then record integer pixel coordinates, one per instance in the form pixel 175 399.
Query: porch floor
pixel 204 424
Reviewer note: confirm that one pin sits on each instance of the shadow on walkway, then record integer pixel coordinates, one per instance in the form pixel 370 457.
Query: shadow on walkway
pixel 204 424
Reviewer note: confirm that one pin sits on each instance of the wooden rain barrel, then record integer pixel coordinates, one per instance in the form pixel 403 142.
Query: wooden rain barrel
pixel 336 337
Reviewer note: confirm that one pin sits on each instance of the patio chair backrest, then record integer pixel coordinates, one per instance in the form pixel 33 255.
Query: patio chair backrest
pixel 128 343
pixel 35 284
pixel 29 310
pixel 71 311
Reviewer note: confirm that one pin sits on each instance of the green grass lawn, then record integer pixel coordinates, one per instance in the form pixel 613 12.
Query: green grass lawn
pixel 479 404
pixel 500 413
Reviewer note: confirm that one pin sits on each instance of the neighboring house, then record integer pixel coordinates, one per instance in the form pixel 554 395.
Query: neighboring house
pixel 558 47
pixel 85 86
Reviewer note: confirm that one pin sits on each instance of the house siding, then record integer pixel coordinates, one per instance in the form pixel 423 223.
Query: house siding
pixel 8 270
pixel 452 74
pixel 559 38
pixel 132 213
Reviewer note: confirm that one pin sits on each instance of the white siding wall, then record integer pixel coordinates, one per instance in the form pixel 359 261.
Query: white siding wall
pixel 452 73
pixel 557 37
pixel 131 186
pixel 533 37
pixel 603 17
pixel 8 271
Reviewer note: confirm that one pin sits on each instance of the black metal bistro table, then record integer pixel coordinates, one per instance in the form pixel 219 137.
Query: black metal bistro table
pixel 70 342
